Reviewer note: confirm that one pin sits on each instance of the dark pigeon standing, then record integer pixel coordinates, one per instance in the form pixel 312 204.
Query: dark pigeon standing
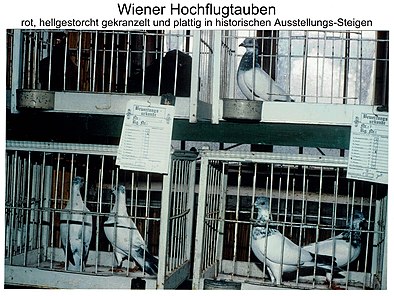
pixel 57 58
pixel 173 76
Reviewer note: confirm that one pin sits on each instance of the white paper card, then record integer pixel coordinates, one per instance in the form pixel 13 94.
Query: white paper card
pixel 369 147
pixel 145 142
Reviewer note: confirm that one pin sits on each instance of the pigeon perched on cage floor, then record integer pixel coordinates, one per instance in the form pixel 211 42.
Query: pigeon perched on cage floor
pixel 345 247
pixel 253 81
pixel 278 252
pixel 125 238
pixel 76 228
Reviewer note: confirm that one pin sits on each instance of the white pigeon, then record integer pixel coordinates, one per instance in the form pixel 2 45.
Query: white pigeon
pixel 253 81
pixel 346 246
pixel 76 228
pixel 279 253
pixel 125 237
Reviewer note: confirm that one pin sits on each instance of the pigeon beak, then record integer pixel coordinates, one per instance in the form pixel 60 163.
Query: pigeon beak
pixel 364 224
pixel 242 44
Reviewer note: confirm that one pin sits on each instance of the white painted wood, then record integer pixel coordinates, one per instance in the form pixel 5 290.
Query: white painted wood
pixel 311 113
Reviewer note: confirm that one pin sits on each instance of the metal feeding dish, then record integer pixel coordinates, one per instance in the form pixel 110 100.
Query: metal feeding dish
pixel 241 109
pixel 35 99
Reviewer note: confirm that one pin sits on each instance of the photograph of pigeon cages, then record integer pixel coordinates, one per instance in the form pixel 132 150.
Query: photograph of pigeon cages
pixel 277 167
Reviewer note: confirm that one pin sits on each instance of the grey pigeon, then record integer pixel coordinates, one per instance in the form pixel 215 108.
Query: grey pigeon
pixel 253 81
pixel 125 238
pixel 346 246
pixel 76 228
pixel 279 253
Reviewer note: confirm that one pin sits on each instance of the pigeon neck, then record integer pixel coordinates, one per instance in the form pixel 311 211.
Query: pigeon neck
pixel 249 59
pixel 262 216
pixel 354 236
pixel 76 194
pixel 120 205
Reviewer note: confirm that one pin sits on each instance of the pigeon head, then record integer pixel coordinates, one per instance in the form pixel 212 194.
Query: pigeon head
pixel 250 43
pixel 122 189
pixel 358 221
pixel 262 204
pixel 354 228
pixel 78 181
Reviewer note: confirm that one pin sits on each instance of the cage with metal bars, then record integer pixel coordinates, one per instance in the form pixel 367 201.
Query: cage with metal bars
pixel 38 185
pixel 72 65
pixel 311 200
pixel 345 69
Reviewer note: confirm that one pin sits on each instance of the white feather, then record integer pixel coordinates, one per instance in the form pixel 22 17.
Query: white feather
pixel 76 228
pixel 253 81
pixel 123 234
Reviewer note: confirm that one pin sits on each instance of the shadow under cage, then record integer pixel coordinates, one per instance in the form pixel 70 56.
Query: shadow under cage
pixel 310 202
pixel 39 179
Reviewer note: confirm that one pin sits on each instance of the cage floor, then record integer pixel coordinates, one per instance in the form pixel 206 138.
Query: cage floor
pixel 52 274
pixel 303 283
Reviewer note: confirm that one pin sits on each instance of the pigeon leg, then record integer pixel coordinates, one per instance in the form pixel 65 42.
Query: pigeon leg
pixel 271 274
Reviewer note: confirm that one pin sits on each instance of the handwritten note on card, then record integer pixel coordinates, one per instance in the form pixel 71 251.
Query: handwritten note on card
pixel 145 142
pixel 369 147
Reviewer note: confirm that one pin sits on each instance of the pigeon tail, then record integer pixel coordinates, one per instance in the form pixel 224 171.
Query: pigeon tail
pixel 324 259
pixel 151 263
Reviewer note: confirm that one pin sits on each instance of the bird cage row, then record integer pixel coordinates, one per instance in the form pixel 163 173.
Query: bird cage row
pixel 269 220
pixel 74 219
pixel 301 66
pixel 201 68
pixel 142 64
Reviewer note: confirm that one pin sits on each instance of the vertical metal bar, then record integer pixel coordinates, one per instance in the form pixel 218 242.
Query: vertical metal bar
pixel 65 63
pixel 54 212
pixel 35 59
pixel 174 212
pixel 202 195
pixel 104 61
pixel 46 202
pixel 323 65
pixel 93 87
pixel 13 202
pixel 351 235
pixel 248 274
pixel 99 208
pixel 346 69
pixel 194 84
pixel 17 67
pixel 79 62
pixel 84 214
pixel 368 238
pixel 164 227
pixel 237 216
pixel 111 66
pixel 39 211
pixel 190 206
pixel 126 74
pixel 160 68
pixel 117 62
pixel 304 67
pixel 143 63
pixel 215 83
